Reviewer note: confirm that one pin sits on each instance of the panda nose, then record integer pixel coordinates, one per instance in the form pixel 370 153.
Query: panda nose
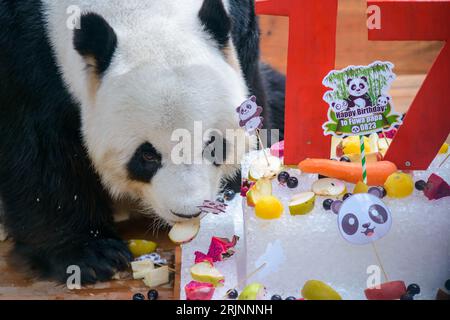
pixel 366 225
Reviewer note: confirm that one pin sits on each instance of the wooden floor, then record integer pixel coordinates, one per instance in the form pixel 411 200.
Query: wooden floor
pixel 17 286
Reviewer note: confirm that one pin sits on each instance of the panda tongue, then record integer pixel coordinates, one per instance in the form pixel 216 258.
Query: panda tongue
pixel 370 234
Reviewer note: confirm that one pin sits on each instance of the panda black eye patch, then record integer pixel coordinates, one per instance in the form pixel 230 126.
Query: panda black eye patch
pixel 215 150
pixel 144 164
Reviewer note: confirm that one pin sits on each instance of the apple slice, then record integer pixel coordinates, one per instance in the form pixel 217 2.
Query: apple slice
pixel 184 232
pixel 302 203
pixel 392 290
pixel 157 277
pixel 262 188
pixel 260 169
pixel 205 272
pixel 318 290
pixel 142 268
pixel 329 187
pixel 254 291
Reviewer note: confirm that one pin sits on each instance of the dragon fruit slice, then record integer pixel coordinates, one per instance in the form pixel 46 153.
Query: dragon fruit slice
pixel 201 257
pixel 222 248
pixel 199 291
pixel 436 188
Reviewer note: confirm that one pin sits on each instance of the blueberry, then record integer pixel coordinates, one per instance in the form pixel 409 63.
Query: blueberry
pixel 383 190
pixel 336 206
pixel 407 296
pixel 413 289
pixel 292 183
pixel 138 297
pixel 291 298
pixel 327 204
pixel 283 177
pixel 447 284
pixel 345 159
pixel 232 294
pixel 276 297
pixel 220 199
pixel 153 295
pixel 421 185
pixel 229 195
pixel 376 192
pixel 346 196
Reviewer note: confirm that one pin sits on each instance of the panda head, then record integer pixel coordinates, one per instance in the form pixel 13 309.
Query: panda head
pixel 339 105
pixel 248 109
pixel 357 87
pixel 364 218
pixel 383 101
pixel 159 92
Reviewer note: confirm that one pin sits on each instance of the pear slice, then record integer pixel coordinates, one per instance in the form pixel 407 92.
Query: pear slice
pixel 142 268
pixel 361 187
pixel 259 168
pixel 329 187
pixel 157 277
pixel 184 232
pixel 262 188
pixel 302 203
pixel 254 291
pixel 205 272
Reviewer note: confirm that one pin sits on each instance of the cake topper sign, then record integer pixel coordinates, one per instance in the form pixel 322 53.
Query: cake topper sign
pixel 250 115
pixel 359 103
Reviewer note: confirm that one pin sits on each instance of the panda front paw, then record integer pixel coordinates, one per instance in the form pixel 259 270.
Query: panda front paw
pixel 97 260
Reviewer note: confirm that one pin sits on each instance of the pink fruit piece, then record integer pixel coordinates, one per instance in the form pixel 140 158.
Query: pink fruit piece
pixel 277 150
pixel 387 291
pixel 244 191
pixel 222 248
pixel 199 291
pixel 436 188
pixel 388 134
pixel 201 257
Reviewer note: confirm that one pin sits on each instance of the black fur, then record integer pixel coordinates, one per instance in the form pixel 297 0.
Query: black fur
pixel 145 163
pixel 216 22
pixel 95 39
pixel 56 209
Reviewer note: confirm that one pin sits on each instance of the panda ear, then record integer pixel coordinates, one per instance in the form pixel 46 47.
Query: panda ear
pixel 349 80
pixel 95 41
pixel 216 22
pixel 364 78
pixel 253 98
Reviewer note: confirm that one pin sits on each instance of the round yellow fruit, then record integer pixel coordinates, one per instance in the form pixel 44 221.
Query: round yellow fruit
pixel 269 208
pixel 444 149
pixel 317 290
pixel 399 185
pixel 352 145
pixel 141 247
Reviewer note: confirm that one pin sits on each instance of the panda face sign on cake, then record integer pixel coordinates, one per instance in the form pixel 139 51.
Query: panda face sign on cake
pixel 364 218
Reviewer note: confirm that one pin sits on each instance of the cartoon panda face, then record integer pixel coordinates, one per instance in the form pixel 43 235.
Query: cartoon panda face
pixel 248 109
pixel 338 106
pixel 358 87
pixel 382 101
pixel 364 218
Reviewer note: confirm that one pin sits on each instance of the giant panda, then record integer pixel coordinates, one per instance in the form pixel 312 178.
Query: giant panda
pixel 87 110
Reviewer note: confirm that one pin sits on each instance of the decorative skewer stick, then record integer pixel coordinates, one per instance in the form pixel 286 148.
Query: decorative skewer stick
pixel 445 160
pixel 379 261
pixel 262 147
pixel 250 275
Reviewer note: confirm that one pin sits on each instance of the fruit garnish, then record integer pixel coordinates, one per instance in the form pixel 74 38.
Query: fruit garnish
pixel 361 187
pixel 292 183
pixel 376 191
pixel 269 207
pixel 259 168
pixel 157 277
pixel 201 257
pixel 283 177
pixel 327 204
pixel 276 297
pixel 277 150
pixel 444 149
pixel 254 291
pixel 302 203
pixel 420 185
pixel 141 268
pixel 386 291
pixel 222 248
pixel 399 185
pixel 199 291
pixel 141 247
pixel 329 187
pixel 318 290
pixel 138 297
pixel 184 232
pixel 260 189
pixel 229 195
pixel 232 294
pixel 351 145
pixel 152 294
pixel 205 272
pixel 436 188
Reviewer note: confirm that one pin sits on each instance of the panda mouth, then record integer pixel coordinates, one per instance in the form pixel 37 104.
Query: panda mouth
pixel 186 216
pixel 369 232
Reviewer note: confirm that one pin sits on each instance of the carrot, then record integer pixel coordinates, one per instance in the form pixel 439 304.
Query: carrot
pixel 377 172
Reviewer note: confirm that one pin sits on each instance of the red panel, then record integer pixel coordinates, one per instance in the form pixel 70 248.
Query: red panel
pixel 311 55
pixel 427 123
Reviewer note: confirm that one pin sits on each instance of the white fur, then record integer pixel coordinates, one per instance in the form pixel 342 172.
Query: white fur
pixel 165 74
